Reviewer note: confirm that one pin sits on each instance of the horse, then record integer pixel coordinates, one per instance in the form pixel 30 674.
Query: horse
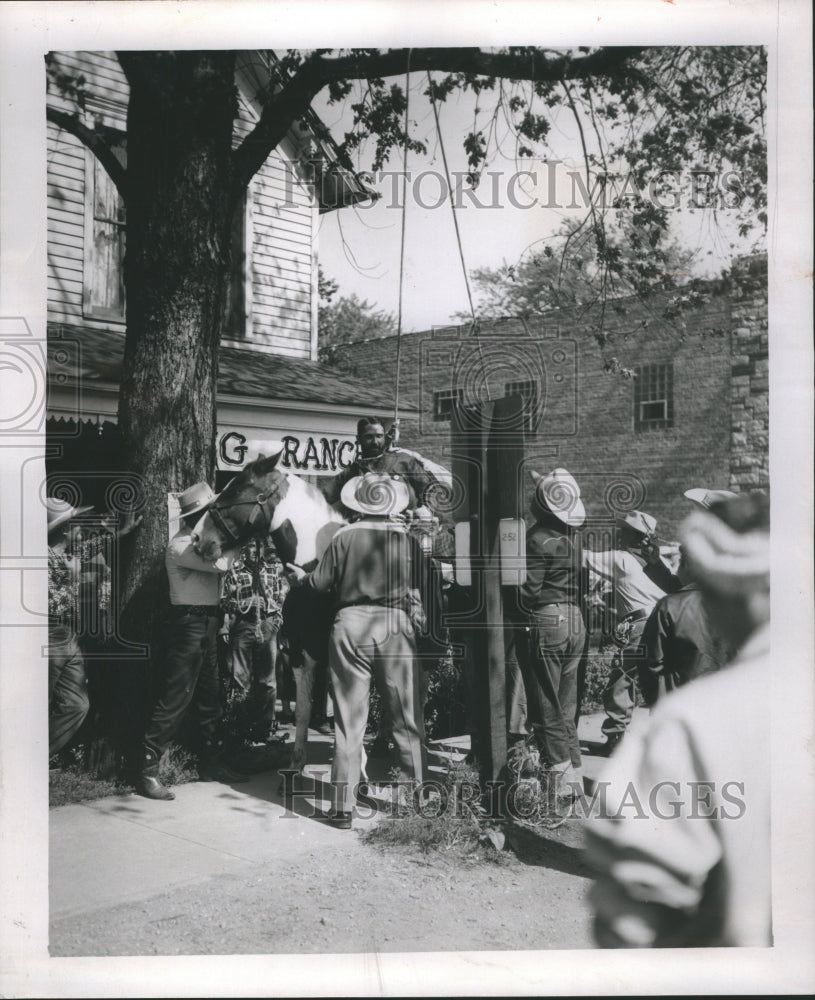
pixel 264 501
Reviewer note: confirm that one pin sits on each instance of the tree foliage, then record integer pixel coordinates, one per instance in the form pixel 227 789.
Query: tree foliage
pixel 564 273
pixel 346 319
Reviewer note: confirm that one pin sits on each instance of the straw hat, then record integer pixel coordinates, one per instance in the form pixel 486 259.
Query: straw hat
pixel 704 498
pixel 637 520
pixel 375 494
pixel 195 498
pixel 559 493
pixel 60 511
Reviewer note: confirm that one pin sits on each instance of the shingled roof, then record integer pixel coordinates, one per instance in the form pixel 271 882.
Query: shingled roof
pixel 242 372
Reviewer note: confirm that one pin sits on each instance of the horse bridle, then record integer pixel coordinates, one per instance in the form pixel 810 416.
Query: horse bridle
pixel 258 509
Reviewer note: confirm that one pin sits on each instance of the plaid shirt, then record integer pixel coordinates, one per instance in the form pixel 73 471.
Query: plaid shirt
pixel 240 594
pixel 63 588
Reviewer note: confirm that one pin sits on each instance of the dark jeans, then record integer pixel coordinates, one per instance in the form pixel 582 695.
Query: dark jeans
pixel 557 639
pixel 67 688
pixel 190 677
pixel 620 693
pixel 253 663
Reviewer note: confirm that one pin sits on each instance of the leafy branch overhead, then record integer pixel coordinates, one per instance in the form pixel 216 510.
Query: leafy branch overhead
pixel 648 115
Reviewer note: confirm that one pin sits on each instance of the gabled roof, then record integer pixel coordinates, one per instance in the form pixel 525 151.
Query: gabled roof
pixel 243 373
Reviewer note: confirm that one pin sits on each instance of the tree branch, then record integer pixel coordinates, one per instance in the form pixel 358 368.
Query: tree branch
pixel 295 97
pixel 95 142
pixel 132 64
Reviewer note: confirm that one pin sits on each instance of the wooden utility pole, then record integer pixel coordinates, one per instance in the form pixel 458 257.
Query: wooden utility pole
pixel 487 452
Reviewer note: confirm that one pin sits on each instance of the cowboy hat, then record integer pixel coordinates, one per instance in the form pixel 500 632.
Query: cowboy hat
pixel 559 493
pixel 60 511
pixel 375 494
pixel 637 520
pixel 705 498
pixel 195 498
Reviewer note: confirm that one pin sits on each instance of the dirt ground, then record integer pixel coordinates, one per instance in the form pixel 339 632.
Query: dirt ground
pixel 353 897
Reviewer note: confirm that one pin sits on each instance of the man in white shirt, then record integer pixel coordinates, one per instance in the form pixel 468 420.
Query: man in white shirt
pixel 190 671
pixel 623 570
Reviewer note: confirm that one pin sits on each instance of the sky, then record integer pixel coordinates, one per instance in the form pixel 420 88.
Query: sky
pixel 512 212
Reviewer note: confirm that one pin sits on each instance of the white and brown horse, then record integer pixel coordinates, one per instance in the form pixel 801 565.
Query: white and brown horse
pixel 263 501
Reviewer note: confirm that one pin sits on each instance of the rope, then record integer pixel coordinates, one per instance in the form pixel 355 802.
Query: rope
pixel 450 189
pixel 455 223
pixel 402 253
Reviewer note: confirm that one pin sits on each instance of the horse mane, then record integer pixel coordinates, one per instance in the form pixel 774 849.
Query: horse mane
pixel 251 472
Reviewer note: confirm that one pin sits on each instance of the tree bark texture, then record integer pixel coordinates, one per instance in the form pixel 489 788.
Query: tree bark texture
pixel 179 174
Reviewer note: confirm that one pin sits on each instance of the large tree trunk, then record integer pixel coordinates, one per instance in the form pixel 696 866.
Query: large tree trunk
pixel 179 176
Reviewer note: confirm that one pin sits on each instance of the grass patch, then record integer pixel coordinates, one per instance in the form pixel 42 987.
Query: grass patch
pixel 70 780
pixel 71 784
pixel 451 823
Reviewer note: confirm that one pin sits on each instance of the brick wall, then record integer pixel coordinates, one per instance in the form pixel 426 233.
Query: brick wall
pixel 718 351
pixel 749 384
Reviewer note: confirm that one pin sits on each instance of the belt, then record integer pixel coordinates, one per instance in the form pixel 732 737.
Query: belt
pixel 368 602
pixel 199 610
pixel 265 616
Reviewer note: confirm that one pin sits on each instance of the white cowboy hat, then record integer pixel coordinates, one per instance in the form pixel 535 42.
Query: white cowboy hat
pixel 375 494
pixel 638 521
pixel 704 498
pixel 60 511
pixel 560 494
pixel 195 498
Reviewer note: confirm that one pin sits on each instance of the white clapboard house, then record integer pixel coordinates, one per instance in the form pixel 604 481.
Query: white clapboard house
pixel 281 391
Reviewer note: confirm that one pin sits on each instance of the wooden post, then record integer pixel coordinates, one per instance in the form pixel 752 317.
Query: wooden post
pixel 487 450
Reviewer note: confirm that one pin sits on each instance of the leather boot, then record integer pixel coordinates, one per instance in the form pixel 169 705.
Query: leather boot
pixel 147 780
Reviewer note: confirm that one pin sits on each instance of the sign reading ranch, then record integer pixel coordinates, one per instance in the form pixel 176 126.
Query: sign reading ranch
pixel 309 454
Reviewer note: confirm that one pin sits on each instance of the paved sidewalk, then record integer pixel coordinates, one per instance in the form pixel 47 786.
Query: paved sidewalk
pixel 128 848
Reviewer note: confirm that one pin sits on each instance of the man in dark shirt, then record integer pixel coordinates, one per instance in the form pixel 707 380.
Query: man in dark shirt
pixel 681 643
pixel 551 599
pixel 373 569
pixel 377 455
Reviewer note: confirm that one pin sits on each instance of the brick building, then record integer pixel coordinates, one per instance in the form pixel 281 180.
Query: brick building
pixel 672 394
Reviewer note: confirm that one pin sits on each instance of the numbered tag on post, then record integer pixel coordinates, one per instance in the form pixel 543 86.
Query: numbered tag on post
pixel 464 576
pixel 512 547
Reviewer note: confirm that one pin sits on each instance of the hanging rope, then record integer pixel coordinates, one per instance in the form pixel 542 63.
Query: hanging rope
pixel 458 232
pixel 395 428
pixel 450 189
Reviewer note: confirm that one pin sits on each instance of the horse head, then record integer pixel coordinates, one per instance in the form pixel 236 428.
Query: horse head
pixel 262 501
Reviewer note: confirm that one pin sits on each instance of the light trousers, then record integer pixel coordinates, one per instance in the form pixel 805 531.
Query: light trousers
pixel 371 643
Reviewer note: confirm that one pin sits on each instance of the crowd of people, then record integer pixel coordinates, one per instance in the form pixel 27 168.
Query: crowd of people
pixel 387 575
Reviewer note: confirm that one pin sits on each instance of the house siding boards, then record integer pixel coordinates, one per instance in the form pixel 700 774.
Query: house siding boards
pixel 281 230
pixel 719 433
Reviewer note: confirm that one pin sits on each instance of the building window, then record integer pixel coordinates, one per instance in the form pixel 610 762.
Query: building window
pixel 529 391
pixel 653 397
pixel 443 402
pixel 103 276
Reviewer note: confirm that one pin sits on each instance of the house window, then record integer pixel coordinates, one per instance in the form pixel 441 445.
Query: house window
pixel 443 402
pixel 103 276
pixel 238 314
pixel 653 397
pixel 529 391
